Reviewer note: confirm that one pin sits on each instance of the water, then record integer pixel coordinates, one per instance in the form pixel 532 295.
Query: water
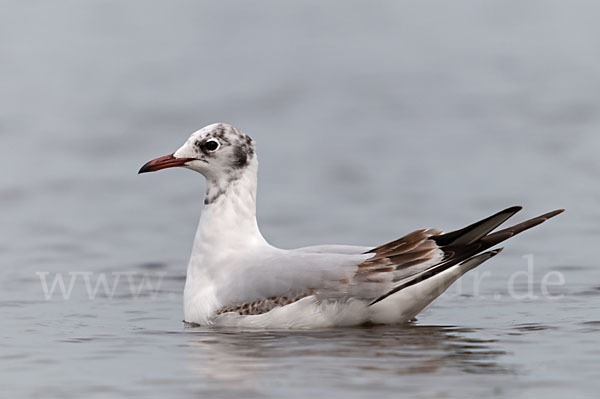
pixel 371 120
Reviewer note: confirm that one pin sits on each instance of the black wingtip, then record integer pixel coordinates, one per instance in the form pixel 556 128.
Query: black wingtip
pixel 553 213
pixel 501 235
pixel 515 209
pixel 477 230
pixel 496 252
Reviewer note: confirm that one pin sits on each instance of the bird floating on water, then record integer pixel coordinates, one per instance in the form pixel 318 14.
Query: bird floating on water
pixel 236 278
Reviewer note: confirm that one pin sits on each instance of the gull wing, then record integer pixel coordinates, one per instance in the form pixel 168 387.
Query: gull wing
pixel 461 247
pixel 336 272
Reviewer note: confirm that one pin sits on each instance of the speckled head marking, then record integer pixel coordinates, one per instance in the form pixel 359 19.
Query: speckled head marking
pixel 221 153
pixel 217 151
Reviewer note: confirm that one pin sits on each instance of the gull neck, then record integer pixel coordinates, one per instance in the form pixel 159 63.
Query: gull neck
pixel 228 219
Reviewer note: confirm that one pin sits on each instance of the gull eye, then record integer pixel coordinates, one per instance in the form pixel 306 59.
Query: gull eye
pixel 212 145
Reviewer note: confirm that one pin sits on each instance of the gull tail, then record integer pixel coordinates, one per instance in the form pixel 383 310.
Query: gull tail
pixel 465 248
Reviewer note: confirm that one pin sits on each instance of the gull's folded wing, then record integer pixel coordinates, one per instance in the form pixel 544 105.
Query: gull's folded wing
pixel 461 247
pixel 336 272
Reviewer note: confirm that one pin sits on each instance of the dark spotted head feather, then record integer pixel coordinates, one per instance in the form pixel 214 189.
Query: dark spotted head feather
pixel 218 151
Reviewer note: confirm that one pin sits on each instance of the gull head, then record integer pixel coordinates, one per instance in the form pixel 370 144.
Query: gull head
pixel 218 150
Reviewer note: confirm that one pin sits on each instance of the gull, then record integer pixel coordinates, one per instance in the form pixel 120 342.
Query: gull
pixel 235 278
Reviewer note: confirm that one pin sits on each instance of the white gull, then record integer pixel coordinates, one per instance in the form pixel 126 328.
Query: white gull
pixel 236 278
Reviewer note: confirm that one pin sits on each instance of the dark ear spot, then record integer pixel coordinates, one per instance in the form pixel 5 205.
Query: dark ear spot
pixel 240 157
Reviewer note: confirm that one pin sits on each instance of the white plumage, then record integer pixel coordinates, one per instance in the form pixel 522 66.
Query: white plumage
pixel 236 278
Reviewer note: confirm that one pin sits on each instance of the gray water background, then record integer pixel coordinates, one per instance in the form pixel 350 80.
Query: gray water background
pixel 372 119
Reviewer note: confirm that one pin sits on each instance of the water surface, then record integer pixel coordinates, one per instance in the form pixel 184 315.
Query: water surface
pixel 371 120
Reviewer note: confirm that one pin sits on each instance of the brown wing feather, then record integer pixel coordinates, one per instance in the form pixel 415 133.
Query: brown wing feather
pixel 413 258
pixel 422 247
pixel 264 305
pixel 413 249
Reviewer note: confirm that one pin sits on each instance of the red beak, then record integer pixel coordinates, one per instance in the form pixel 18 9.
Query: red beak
pixel 168 161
